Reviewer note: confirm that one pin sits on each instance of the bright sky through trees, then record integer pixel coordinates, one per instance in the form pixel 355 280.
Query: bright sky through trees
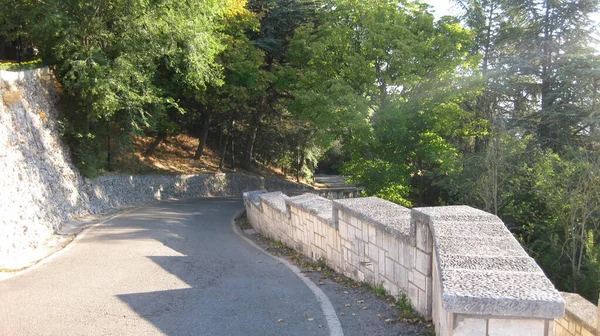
pixel 442 7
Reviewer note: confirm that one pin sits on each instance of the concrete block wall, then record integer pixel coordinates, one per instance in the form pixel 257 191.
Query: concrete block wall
pixel 457 264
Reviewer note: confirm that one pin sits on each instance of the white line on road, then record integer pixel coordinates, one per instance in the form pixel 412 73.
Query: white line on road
pixel 335 327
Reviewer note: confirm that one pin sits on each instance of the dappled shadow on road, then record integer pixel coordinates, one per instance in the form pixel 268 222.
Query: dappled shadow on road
pixel 208 281
pixel 176 236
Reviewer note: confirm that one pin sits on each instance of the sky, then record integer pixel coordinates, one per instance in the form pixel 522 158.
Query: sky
pixel 442 7
pixel 447 7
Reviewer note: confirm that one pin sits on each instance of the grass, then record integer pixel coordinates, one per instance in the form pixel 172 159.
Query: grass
pixel 407 311
pixel 14 66
pixel 243 222
pixel 379 290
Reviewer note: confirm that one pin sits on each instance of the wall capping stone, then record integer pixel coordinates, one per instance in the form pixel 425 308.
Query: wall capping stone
pixel 387 216
pixel 254 197
pixel 275 199
pixel 479 259
pixel 319 206
pixel 581 310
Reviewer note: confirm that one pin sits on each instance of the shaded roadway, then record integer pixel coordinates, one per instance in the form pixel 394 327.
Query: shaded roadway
pixel 172 268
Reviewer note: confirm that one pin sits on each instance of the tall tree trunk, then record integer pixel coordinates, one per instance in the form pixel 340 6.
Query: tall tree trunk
pixel 300 164
pixel 223 152
pixel 250 140
pixel 19 49
pixel 544 127
pixel 203 137
pixel 249 148
pixel 224 147
pixel 108 149
pixel 157 141
pixel 232 147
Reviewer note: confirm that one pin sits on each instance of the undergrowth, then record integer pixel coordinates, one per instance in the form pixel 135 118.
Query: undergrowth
pixel 15 66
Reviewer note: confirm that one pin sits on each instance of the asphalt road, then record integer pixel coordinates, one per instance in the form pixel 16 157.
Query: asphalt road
pixel 173 268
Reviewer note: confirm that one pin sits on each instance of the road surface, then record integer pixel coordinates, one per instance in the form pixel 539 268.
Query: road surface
pixel 172 268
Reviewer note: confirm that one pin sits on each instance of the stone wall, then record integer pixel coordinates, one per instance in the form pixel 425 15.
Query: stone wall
pixel 457 264
pixel 582 318
pixel 107 192
pixel 40 189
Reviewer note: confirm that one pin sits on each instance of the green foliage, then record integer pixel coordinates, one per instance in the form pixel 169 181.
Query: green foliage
pixel 382 179
pixel 14 66
pixel 379 290
pixel 126 62
pixel 501 115
pixel 396 117
pixel 405 307
pixel 536 168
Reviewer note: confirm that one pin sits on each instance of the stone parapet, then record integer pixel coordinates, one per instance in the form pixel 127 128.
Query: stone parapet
pixel 480 263
pixel 382 214
pixel 582 318
pixel 457 264
pixel 318 206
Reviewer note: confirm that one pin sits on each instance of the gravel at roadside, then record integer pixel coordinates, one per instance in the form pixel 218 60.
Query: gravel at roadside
pixel 362 309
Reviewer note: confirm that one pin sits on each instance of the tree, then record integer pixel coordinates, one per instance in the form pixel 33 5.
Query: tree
pixel 109 56
pixel 550 40
pixel 571 189
pixel 386 75
pixel 535 168
pixel 278 21
pixel 15 22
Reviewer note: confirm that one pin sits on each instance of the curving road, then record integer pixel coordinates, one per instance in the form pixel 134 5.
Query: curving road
pixel 173 268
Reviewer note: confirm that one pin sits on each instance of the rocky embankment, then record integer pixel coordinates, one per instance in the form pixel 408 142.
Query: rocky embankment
pixel 40 189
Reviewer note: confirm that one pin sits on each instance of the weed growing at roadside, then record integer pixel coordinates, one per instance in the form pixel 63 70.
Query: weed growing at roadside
pixel 407 311
pixel 243 222
pixel 379 290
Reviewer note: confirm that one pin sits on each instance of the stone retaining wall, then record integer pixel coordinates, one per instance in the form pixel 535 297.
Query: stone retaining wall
pixel 457 264
pixel 40 189
pixel 107 192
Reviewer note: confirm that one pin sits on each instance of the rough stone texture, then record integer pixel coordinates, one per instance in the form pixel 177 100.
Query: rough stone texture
pixel 454 213
pixel 469 262
pixel 253 196
pixel 40 188
pixel 383 214
pixel 276 200
pixel 316 205
pixel 484 269
pixel 499 293
pixel 580 317
pixel 113 191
